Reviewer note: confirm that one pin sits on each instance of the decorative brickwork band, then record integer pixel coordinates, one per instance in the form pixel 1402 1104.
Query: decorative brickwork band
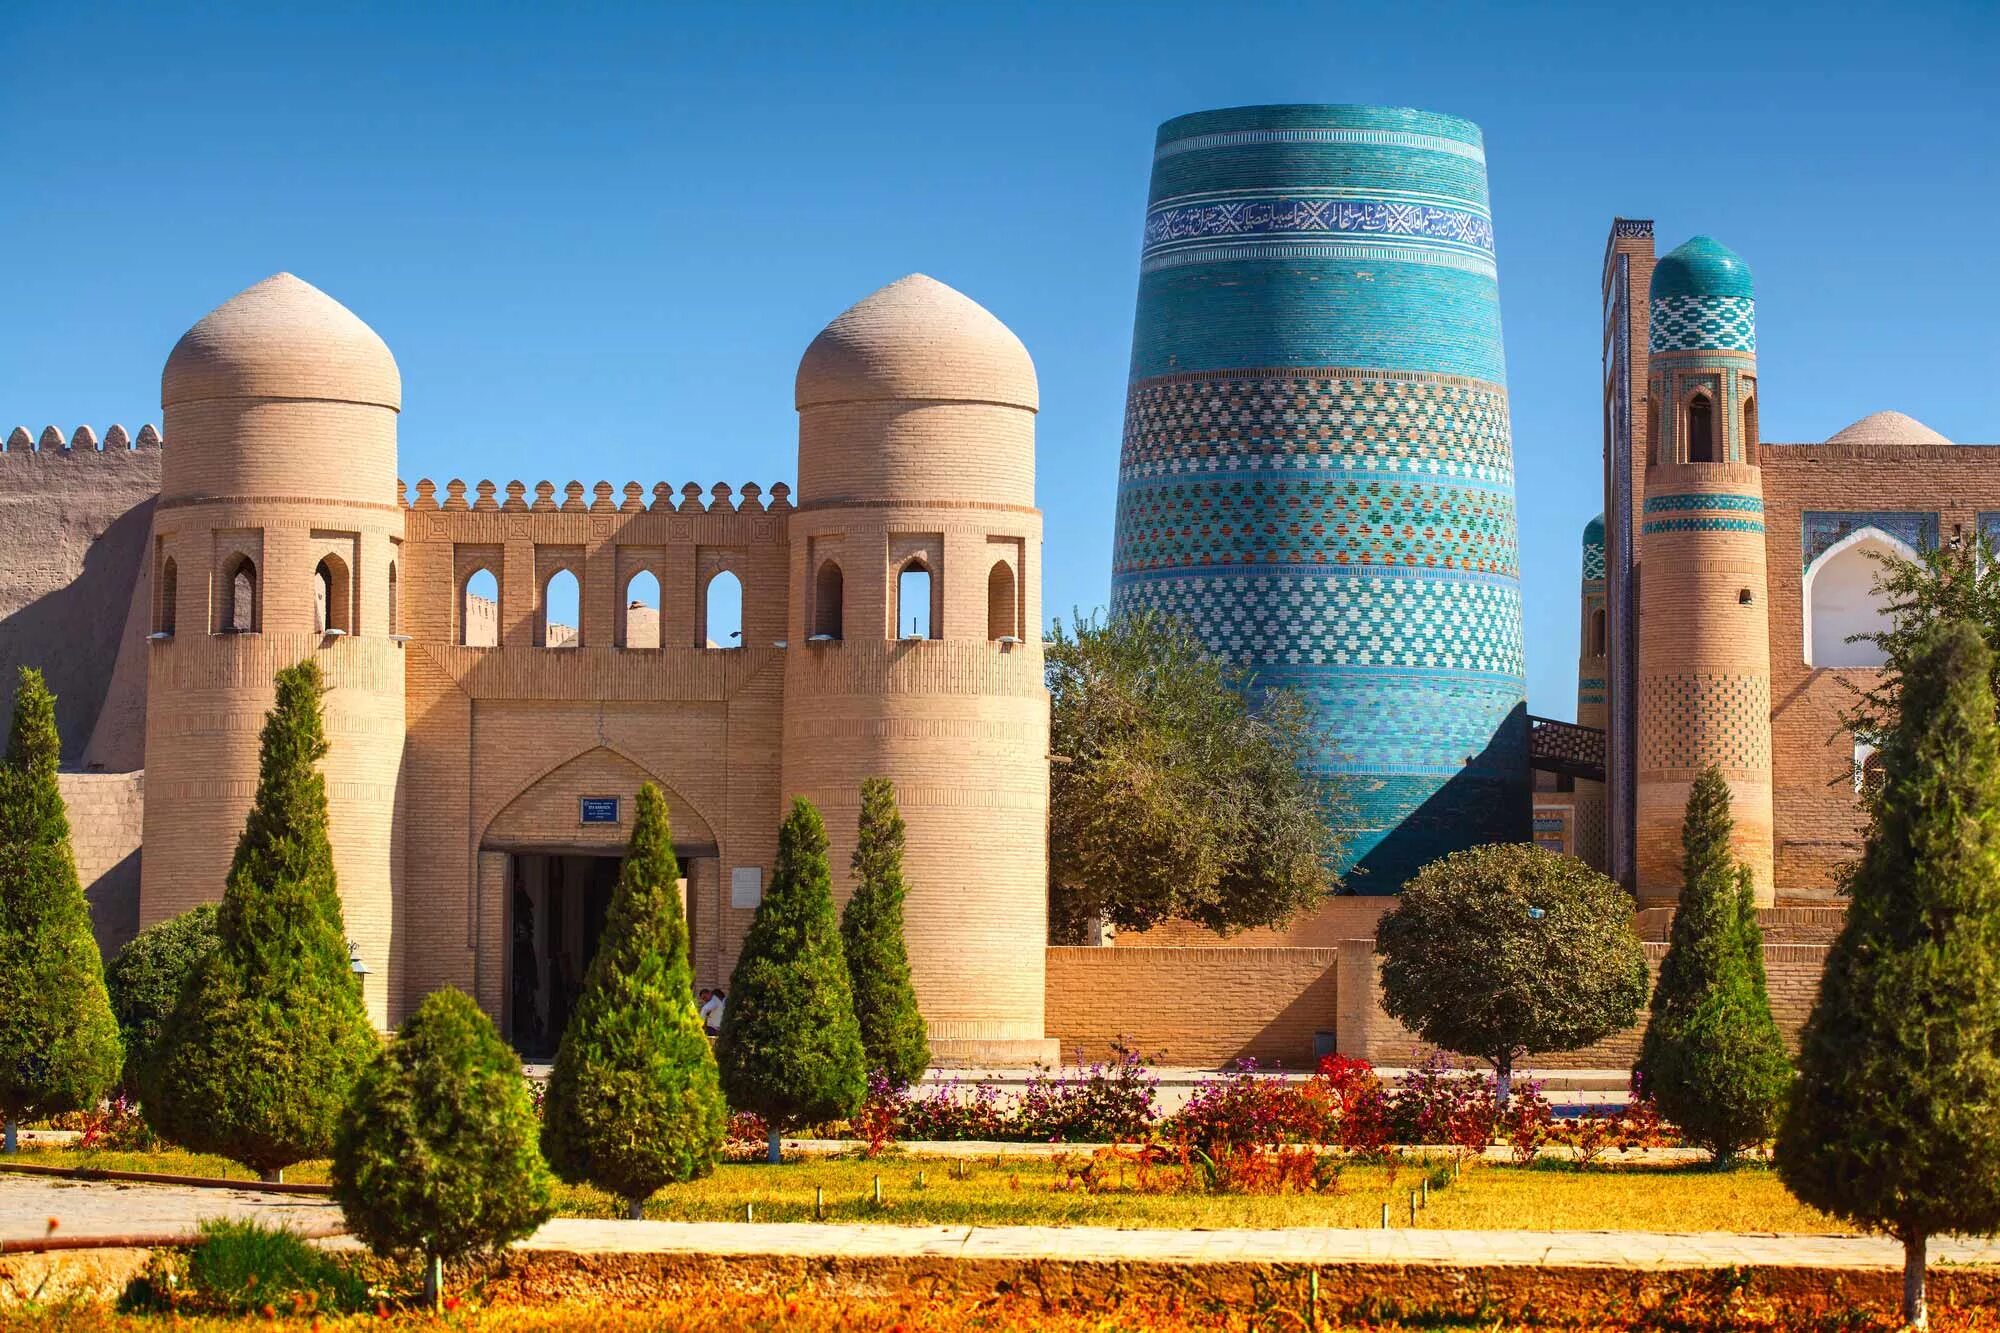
pixel 1694 719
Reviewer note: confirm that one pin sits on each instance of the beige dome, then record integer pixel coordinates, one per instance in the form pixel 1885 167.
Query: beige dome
pixel 283 338
pixel 1887 428
pixel 917 339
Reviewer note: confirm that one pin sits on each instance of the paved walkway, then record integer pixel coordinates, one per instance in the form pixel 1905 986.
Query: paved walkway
pixel 104 1209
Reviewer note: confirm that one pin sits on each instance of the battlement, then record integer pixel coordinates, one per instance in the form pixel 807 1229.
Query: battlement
pixel 485 498
pixel 51 441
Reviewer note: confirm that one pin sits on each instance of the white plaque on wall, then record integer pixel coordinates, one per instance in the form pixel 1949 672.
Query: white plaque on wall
pixel 746 886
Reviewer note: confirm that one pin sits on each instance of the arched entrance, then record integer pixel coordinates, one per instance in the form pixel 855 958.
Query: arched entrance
pixel 549 863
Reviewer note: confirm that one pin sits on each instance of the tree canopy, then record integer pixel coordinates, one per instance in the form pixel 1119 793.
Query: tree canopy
pixel 1500 950
pixel 1956 582
pixel 1180 788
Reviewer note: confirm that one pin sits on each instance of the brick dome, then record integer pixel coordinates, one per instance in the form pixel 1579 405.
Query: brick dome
pixel 1887 428
pixel 282 338
pixel 1702 266
pixel 917 339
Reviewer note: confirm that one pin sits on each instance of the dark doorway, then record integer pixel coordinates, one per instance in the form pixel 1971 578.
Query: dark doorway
pixel 557 907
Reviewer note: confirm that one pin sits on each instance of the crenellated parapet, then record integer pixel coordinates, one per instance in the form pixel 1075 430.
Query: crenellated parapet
pixel 604 498
pixel 116 440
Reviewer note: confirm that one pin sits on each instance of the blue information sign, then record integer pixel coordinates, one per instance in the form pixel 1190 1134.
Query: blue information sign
pixel 599 809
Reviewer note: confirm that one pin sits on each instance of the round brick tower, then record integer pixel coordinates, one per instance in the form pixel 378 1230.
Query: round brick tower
pixel 1592 669
pixel 275 539
pixel 1317 469
pixel 916 643
pixel 1704 623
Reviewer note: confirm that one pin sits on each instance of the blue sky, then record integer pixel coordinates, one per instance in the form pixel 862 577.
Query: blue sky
pixel 598 239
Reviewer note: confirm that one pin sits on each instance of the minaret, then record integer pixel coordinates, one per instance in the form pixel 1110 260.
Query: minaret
pixel 1704 632
pixel 1592 663
pixel 277 530
pixel 916 644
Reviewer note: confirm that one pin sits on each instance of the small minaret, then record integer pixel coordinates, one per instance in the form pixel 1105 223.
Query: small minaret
pixel 1704 630
pixel 1592 665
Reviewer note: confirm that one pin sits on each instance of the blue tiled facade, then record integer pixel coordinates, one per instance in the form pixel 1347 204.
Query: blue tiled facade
pixel 1317 467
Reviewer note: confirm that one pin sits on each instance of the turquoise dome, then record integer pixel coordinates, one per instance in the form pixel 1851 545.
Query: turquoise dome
pixel 1702 266
pixel 1593 532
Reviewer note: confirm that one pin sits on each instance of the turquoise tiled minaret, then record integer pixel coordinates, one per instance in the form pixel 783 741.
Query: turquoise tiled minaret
pixel 1317 469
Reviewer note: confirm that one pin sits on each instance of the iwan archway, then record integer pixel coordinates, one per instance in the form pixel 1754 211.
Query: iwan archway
pixel 548 863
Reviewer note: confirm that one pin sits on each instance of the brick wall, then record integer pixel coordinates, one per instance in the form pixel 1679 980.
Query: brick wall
pixel 1193 1006
pixel 106 815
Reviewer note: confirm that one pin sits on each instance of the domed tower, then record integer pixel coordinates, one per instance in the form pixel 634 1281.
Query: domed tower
pixel 1592 671
pixel 915 633
pixel 1704 631
pixel 276 539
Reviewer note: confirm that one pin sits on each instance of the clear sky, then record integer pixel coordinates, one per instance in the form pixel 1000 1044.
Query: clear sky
pixel 598 237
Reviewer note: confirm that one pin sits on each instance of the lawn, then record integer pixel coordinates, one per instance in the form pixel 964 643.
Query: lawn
pixel 1034 1191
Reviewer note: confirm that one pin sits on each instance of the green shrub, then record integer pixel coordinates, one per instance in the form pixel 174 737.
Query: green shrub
pixel 790 1049
pixel 243 1266
pixel 1891 1122
pixel 1712 1056
pixel 1500 950
pixel 148 975
pixel 437 1155
pixel 267 1039
pixel 633 1102
pixel 871 935
pixel 59 1046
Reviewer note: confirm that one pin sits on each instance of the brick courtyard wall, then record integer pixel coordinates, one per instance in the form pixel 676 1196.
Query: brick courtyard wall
pixel 1193 1006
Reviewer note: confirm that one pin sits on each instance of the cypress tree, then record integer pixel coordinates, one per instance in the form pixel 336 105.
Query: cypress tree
pixel 436 1155
pixel 633 1101
pixel 871 934
pixel 1891 1121
pixel 1712 1056
pixel 147 977
pixel 269 1035
pixel 59 1047
pixel 790 1048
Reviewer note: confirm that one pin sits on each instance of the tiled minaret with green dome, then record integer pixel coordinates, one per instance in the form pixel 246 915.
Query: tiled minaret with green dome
pixel 1592 690
pixel 1704 678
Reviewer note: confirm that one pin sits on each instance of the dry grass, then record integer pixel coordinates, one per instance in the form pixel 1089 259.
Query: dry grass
pixel 1030 1191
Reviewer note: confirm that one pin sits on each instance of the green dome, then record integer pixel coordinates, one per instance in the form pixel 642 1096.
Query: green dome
pixel 1593 532
pixel 1702 266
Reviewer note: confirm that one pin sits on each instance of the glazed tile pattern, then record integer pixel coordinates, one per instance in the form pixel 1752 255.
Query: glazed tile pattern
pixel 1823 528
pixel 1703 512
pixel 1704 323
pixel 1316 472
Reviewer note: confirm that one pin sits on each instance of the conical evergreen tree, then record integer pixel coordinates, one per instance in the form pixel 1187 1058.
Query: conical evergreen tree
pixel 59 1048
pixel 871 934
pixel 790 1049
pixel 436 1156
pixel 633 1101
pixel 1712 1056
pixel 268 1037
pixel 1891 1123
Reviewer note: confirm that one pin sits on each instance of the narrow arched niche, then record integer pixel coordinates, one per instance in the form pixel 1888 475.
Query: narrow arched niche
pixel 163 623
pixel 1701 430
pixel 240 610
pixel 829 601
pixel 479 610
pixel 913 602
pixel 1003 618
pixel 722 611
pixel 333 598
pixel 642 610
pixel 561 618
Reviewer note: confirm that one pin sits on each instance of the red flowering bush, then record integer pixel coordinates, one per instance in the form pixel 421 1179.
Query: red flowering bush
pixel 1248 1108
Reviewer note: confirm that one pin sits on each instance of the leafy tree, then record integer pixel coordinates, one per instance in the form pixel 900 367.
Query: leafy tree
pixel 58 1041
pixel 790 1047
pixel 436 1156
pixel 1499 950
pixel 1959 581
pixel 1181 787
pixel 1891 1121
pixel 1712 1056
pixel 268 1037
pixel 633 1101
pixel 871 935
pixel 147 977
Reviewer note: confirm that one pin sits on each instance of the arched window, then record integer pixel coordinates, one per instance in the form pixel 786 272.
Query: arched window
pixel 1841 601
pixel 332 599
pixel 561 611
pixel 1701 430
pixel 1652 431
pixel 395 624
pixel 1750 429
pixel 913 602
pixel 1002 619
pixel 239 596
pixel 1599 639
pixel 169 595
pixel 722 621
pixel 642 610
pixel 479 611
pixel 829 601
pixel 1868 772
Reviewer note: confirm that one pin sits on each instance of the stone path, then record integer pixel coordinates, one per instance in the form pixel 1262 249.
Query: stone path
pixel 105 1209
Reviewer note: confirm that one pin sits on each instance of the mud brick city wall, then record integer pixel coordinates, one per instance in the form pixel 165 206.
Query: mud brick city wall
pixel 106 817
pixel 1193 1006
